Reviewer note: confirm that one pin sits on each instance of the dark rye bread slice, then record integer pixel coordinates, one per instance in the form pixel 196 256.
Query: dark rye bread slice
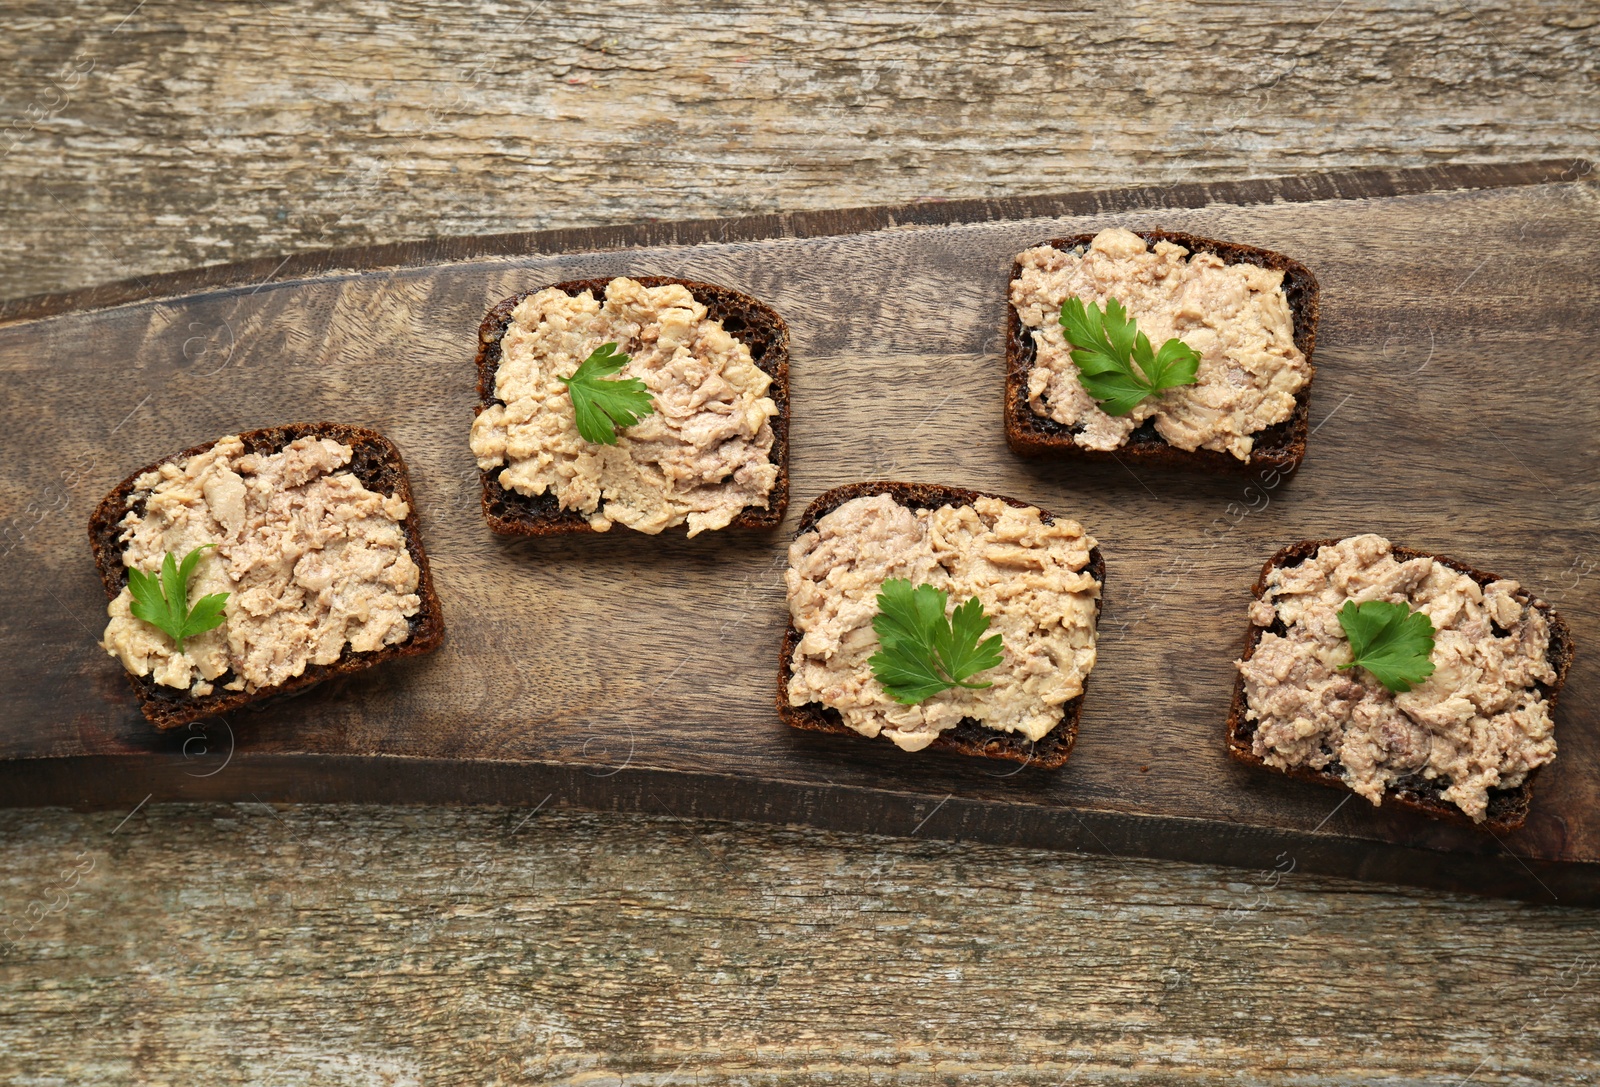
pixel 377 464
pixel 1508 808
pixel 968 737
pixel 752 323
pixel 1280 446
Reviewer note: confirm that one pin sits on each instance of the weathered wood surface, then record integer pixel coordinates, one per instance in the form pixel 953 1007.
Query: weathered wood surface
pixel 234 131
pixel 149 136
pixel 626 671
pixel 321 945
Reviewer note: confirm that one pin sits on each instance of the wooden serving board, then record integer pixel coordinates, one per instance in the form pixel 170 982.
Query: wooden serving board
pixel 1456 409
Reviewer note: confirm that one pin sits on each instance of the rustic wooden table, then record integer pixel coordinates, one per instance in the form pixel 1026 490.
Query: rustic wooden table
pixel 275 945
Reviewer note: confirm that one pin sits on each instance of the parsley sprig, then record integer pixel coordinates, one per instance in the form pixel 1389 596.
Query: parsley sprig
pixel 1115 361
pixel 163 601
pixel 600 405
pixel 1389 640
pixel 921 652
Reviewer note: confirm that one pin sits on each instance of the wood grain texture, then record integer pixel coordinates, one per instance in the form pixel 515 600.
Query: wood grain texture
pixel 623 671
pixel 258 945
pixel 147 136
pixel 220 133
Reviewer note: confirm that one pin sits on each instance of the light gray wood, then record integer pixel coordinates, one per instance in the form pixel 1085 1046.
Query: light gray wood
pixel 270 946
pixel 195 141
pixel 147 137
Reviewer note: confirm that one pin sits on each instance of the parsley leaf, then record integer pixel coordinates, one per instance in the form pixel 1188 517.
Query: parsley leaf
pixel 920 651
pixel 163 601
pixel 602 406
pixel 1115 361
pixel 1389 640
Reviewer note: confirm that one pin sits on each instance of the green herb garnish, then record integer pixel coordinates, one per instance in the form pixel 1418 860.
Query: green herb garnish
pixel 602 406
pixel 1389 640
pixel 921 652
pixel 163 601
pixel 1114 359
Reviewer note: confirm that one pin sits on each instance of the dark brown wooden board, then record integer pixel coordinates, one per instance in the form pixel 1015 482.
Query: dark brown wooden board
pixel 1456 410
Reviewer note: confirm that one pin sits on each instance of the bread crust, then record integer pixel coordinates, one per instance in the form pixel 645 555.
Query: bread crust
pixel 377 463
pixel 1508 808
pixel 968 737
pixel 1280 446
pixel 751 322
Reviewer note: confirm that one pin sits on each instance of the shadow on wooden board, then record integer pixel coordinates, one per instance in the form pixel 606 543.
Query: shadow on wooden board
pixel 622 672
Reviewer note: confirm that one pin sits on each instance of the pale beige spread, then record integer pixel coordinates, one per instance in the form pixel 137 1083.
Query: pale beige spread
pixel 1477 723
pixel 701 458
pixel 312 559
pixel 1031 576
pixel 1235 316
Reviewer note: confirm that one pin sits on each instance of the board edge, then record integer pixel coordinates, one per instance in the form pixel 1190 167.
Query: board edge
pixel 1350 184
pixel 103 782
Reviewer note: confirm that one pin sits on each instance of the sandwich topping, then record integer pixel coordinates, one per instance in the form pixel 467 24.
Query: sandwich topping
pixel 1031 576
pixel 312 561
pixel 1236 316
pixel 700 458
pixel 1478 722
